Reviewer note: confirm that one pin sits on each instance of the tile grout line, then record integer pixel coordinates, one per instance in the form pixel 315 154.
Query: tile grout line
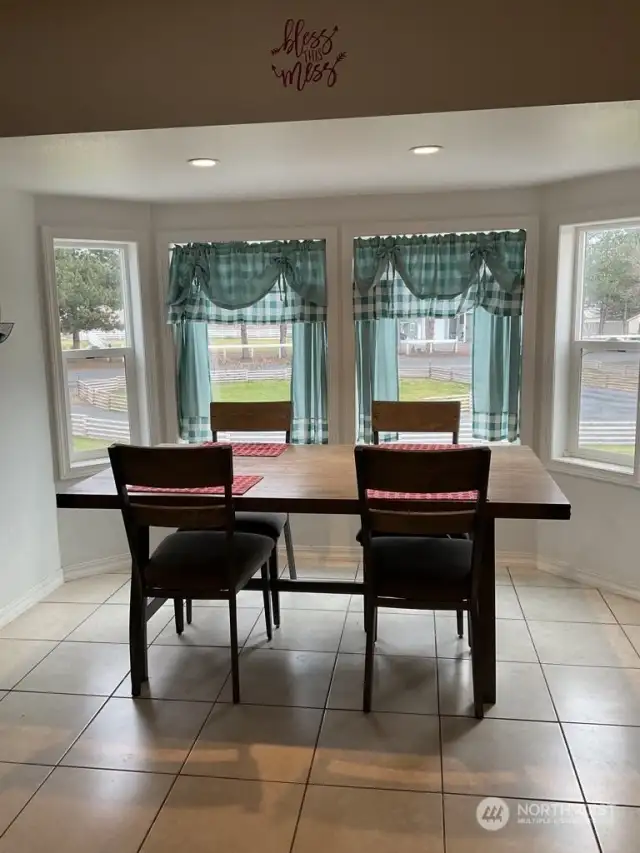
pixel 186 758
pixel 320 727
pixel 444 825
pixel 58 643
pixel 216 701
pixel 15 818
pixel 564 739
pixel 57 764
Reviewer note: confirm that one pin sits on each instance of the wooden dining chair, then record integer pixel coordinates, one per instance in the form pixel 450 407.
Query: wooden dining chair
pixel 408 559
pixel 258 417
pixel 207 558
pixel 439 416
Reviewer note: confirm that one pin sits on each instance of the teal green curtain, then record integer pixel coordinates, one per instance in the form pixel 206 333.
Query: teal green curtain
pixel 438 276
pixel 402 278
pixel 496 364
pixel 193 382
pixel 376 370
pixel 267 283
pixel 206 278
pixel 309 384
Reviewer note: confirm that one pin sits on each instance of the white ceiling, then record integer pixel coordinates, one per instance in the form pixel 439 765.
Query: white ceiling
pixel 497 148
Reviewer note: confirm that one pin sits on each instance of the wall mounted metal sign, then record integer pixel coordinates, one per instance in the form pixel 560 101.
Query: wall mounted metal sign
pixel 306 57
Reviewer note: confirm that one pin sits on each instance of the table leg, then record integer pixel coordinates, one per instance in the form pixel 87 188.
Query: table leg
pixel 488 613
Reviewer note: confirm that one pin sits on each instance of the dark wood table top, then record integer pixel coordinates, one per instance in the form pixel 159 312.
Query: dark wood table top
pixel 321 479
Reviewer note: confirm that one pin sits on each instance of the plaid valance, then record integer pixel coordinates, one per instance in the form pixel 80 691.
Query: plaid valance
pixel 439 276
pixel 276 282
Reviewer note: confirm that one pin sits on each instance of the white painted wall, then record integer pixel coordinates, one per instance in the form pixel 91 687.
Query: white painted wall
pixel 92 540
pixel 29 556
pixel 600 543
pixel 347 209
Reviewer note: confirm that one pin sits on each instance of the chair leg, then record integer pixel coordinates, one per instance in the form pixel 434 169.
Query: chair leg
pixel 178 609
pixel 476 667
pixel 370 619
pixel 266 598
pixel 460 618
pixel 273 577
pixel 233 631
pixel 189 604
pixel 469 629
pixel 288 541
pixel 137 639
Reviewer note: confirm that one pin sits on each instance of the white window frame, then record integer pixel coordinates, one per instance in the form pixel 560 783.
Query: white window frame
pixel 335 366
pixel 567 447
pixel 71 463
pixel 459 224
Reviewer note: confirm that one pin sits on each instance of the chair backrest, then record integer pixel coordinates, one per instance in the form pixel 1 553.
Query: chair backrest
pixel 422 416
pixel 173 468
pixel 251 417
pixel 445 473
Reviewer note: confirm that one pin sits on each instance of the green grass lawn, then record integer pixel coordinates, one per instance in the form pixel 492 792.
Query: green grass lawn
pixel 421 389
pixel 81 442
pixel 265 391
pixel 625 449
pixel 270 390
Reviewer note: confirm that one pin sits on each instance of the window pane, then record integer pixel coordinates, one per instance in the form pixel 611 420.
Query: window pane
pixel 250 362
pixel 89 284
pixel 434 363
pixel 98 403
pixel 608 404
pixel 611 284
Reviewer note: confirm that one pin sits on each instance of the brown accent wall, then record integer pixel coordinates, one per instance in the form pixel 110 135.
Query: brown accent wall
pixel 72 66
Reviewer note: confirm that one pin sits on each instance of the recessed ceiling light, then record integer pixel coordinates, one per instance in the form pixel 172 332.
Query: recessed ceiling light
pixel 426 149
pixel 203 162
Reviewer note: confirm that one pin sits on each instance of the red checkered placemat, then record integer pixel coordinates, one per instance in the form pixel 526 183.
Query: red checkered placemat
pixel 241 484
pixel 374 494
pixel 425 446
pixel 250 448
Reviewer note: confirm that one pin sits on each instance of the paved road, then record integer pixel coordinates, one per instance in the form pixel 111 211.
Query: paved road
pixel 598 404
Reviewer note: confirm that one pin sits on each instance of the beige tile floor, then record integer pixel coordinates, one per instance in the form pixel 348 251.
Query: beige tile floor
pixel 297 768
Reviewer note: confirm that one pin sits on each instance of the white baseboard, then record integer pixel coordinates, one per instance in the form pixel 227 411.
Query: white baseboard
pixel 517 559
pixel 350 552
pixel 564 570
pixel 120 563
pixel 16 608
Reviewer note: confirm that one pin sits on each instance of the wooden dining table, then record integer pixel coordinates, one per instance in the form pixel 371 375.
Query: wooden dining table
pixel 321 479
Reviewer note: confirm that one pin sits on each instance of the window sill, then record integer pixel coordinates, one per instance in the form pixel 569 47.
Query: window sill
pixel 87 468
pixel 591 470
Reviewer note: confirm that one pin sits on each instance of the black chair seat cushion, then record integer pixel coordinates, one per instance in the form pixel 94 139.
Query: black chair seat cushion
pixel 264 523
pixel 448 536
pixel 192 561
pixel 408 566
